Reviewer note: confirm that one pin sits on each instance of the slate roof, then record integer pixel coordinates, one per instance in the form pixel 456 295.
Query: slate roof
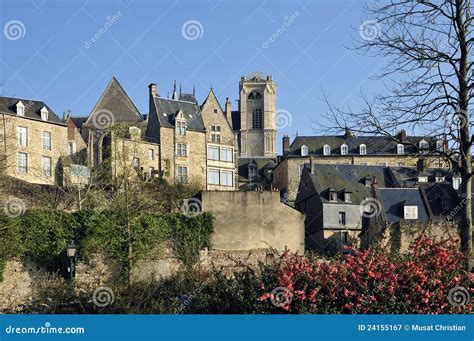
pixel 408 176
pixel 166 110
pixel 345 178
pixel 235 116
pixel 116 100
pixel 187 98
pixel 441 197
pixel 260 162
pixel 78 121
pixel 376 145
pixel 32 109
pixel 393 200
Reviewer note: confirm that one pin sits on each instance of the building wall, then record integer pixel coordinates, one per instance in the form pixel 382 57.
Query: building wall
pixel 34 149
pixel 253 220
pixel 74 136
pixel 228 140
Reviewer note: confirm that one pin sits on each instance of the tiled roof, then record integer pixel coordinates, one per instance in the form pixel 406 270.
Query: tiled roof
pixel 32 109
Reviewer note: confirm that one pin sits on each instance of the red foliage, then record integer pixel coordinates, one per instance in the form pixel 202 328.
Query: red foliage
pixel 372 282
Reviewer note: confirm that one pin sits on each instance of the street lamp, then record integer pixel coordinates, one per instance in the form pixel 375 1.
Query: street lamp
pixel 71 250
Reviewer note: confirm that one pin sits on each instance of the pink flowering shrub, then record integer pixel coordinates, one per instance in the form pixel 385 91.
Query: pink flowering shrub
pixel 370 282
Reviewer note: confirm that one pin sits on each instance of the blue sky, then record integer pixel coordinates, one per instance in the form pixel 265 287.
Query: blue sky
pixel 53 59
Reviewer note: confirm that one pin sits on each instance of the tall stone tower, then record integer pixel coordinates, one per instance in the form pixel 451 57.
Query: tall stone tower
pixel 257 102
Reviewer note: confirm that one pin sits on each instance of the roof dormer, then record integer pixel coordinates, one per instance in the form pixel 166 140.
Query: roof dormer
pixel 20 108
pixel 304 150
pixel 344 149
pixel 326 150
pixel 44 114
pixel 362 149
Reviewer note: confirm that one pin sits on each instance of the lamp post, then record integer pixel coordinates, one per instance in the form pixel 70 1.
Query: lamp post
pixel 71 250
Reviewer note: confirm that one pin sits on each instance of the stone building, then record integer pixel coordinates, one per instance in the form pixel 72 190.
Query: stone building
pixel 255 125
pixel 348 149
pixel 32 140
pixel 221 146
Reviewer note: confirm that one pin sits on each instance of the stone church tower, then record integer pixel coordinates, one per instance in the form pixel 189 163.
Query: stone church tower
pixel 257 102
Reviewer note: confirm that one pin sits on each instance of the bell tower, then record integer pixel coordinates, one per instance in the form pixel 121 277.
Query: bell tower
pixel 258 131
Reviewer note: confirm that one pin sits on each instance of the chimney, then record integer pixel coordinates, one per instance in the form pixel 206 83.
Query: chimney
pixel 402 136
pixel 348 133
pixel 421 165
pixel 228 108
pixel 311 165
pixel 152 88
pixel 286 144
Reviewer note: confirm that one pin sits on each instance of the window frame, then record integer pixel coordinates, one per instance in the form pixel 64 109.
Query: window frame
pixel 182 150
pixel 47 172
pixel 231 177
pixel 410 212
pixel 216 175
pixel 328 152
pixel 304 150
pixel 400 149
pixel 344 149
pixel 19 134
pixel 229 151
pixel 47 143
pixel 19 167
pixel 183 175
pixel 362 149
pixel 342 218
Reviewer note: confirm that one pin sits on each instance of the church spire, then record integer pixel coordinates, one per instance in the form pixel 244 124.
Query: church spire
pixel 175 96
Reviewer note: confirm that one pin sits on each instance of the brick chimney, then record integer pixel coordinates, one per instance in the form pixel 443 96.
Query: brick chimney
pixel 402 136
pixel 152 88
pixel 228 108
pixel 286 144
pixel 348 133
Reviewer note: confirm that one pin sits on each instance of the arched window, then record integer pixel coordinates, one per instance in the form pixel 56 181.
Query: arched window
pixel 362 149
pixel 251 96
pixel 400 149
pixel 423 144
pixel 304 150
pixel 258 96
pixel 257 118
pixel 326 150
pixel 344 149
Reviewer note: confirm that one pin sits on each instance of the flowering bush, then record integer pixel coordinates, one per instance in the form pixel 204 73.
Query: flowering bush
pixel 429 279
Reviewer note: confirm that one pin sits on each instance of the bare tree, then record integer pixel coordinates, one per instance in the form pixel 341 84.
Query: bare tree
pixel 428 82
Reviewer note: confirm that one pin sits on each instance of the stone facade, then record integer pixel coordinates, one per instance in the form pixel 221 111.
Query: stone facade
pixel 40 158
pixel 221 147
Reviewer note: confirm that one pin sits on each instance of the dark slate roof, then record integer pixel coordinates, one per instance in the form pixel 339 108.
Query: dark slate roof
pixel 441 197
pixel 347 178
pixel 408 176
pixel 376 145
pixel 235 120
pixel 187 98
pixel 79 121
pixel 32 109
pixel 167 109
pixel 393 200
pixel 261 163
pixel 116 100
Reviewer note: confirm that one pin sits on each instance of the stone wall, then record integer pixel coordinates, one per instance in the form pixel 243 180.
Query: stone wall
pixel 253 220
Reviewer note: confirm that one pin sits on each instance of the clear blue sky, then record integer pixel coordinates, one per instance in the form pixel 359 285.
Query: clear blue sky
pixel 52 60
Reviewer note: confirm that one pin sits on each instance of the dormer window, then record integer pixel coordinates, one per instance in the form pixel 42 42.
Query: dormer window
pixel 362 149
pixel 44 114
pixel 180 127
pixel 440 146
pixel 20 109
pixel 440 179
pixel 410 212
pixel 347 196
pixel 344 149
pixel 422 179
pixel 368 181
pixel 400 149
pixel 304 150
pixel 252 172
pixel 326 150
pixel 457 182
pixel 332 195
pixel 423 146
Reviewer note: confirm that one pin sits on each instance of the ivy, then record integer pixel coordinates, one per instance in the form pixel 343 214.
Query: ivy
pixel 42 235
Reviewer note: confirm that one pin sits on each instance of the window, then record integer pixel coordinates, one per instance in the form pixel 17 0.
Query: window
pixel 252 172
pixel 456 182
pixel 362 149
pixel 333 196
pixel 347 197
pixel 213 177
pixel 22 162
pixel 180 127
pixel 326 150
pixel 215 111
pixel 422 179
pixel 213 153
pixel 216 137
pixel 226 154
pixel 345 237
pixel 342 218
pixel 151 154
pixel 71 148
pixel 44 114
pixel 182 174
pixel 46 166
pixel 216 128
pixel 400 149
pixel 257 118
pixel 22 136
pixel 304 150
pixel 411 212
pixel 181 149
pixel 20 109
pixel 423 145
pixel 46 140
pixel 136 163
pixel 151 172
pixel 227 178
pixel 440 145
pixel 344 149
